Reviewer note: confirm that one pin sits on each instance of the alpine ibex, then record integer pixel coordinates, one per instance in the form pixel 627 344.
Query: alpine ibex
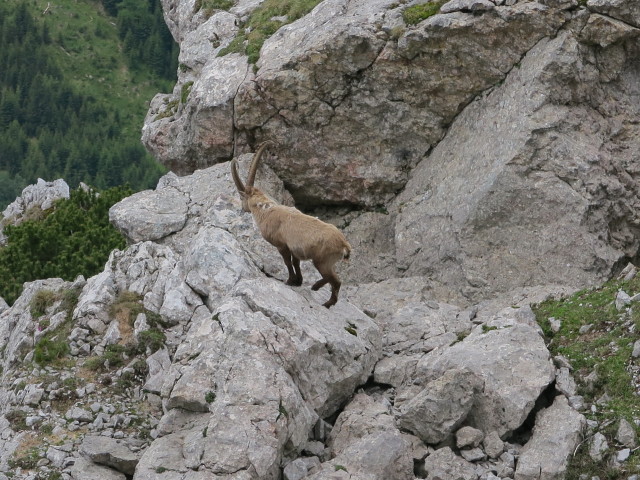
pixel 296 236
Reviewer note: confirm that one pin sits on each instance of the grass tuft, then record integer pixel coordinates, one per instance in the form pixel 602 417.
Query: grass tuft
pixel 416 13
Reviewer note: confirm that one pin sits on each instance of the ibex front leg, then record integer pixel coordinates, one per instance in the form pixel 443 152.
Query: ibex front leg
pixel 293 267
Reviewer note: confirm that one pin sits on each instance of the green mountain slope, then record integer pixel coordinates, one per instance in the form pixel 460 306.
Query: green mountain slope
pixel 75 81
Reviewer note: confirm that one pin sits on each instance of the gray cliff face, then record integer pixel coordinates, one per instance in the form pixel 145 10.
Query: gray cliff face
pixel 491 146
pixel 479 162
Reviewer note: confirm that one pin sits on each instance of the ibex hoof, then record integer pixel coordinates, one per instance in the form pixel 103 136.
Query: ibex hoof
pixel 293 282
pixel 329 304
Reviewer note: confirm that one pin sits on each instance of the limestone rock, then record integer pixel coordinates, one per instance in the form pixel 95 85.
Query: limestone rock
pixel 298 469
pixel 626 434
pixel 456 222
pixel 467 6
pixel 557 432
pixel 378 456
pixel 270 356
pixel 493 445
pixel 445 465
pixel 436 412
pixel 87 470
pixel 42 195
pixel 605 31
pixel 150 215
pixel 620 9
pixel 514 364
pixel 469 437
pixel 109 452
pixel 361 417
pixel 414 330
pixel 347 39
pixel 598 446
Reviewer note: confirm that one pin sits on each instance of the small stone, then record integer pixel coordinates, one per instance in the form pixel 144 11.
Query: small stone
pixel 584 329
pixel 508 459
pixel 626 434
pixel 300 467
pixel 493 445
pixel 622 300
pixel 576 402
pixel 628 272
pixel 469 437
pixel 555 324
pixel 636 349
pixel 33 395
pixel 565 382
pixel 56 456
pixel 78 414
pixel 623 455
pixel 598 446
pixel 473 455
pixel 31 421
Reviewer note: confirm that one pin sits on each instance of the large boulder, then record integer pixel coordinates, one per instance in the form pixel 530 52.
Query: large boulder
pixel 548 148
pixel 514 364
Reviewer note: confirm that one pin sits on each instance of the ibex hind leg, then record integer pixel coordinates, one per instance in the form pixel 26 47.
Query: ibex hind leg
pixel 328 276
pixel 293 267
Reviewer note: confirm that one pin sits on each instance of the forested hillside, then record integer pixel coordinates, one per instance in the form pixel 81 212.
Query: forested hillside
pixel 75 81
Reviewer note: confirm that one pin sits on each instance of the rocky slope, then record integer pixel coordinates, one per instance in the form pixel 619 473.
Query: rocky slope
pixel 481 160
pixel 186 361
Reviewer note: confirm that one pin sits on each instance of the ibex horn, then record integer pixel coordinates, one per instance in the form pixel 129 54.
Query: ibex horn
pixel 254 163
pixel 236 177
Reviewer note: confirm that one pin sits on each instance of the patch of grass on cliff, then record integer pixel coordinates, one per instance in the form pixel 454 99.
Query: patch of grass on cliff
pixel 209 7
pixel 53 346
pixel 125 309
pixel 416 13
pixel 598 339
pixel 263 22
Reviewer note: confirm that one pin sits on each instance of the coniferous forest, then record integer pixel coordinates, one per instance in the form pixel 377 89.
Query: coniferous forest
pixel 75 81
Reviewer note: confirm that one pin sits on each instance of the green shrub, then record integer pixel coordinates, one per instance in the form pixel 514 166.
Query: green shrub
pixel 114 354
pixel 416 13
pixel 94 363
pixel 75 238
pixel 152 340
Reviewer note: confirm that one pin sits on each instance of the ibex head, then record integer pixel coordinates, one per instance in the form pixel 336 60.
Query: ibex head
pixel 248 190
